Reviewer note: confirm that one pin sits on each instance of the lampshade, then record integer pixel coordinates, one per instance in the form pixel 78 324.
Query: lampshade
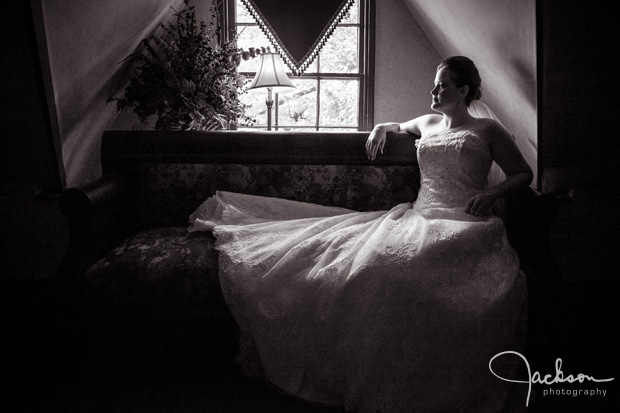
pixel 271 74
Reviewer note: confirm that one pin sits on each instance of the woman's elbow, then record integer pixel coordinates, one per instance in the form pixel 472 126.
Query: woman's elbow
pixel 528 176
pixel 522 177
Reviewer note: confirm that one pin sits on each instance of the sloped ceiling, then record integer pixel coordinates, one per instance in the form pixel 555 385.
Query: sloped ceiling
pixel 500 37
pixel 87 45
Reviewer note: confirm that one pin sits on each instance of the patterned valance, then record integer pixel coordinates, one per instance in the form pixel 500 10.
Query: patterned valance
pixel 298 29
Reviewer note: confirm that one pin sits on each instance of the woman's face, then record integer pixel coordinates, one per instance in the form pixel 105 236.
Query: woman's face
pixel 445 93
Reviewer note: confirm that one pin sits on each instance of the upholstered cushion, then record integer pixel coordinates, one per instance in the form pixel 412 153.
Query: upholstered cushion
pixel 165 270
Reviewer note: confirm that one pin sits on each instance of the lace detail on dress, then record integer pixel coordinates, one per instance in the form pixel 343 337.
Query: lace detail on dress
pixel 454 167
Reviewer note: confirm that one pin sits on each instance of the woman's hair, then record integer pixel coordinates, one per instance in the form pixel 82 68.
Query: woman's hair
pixel 463 72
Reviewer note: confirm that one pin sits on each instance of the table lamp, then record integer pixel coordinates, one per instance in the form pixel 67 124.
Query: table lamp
pixel 271 75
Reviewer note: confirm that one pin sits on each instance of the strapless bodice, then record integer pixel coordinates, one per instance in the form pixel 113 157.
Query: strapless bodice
pixel 454 166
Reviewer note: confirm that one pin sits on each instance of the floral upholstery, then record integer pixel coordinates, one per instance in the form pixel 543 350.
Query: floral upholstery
pixel 166 269
pixel 171 192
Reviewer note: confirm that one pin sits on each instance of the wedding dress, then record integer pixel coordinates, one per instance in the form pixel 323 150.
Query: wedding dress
pixel 389 311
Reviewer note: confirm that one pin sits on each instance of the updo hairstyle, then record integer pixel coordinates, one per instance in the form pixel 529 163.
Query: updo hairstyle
pixel 463 72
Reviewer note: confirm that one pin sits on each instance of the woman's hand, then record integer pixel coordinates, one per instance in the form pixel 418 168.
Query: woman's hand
pixel 480 204
pixel 375 142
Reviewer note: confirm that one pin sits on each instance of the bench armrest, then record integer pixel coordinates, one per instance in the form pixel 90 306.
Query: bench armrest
pixel 99 215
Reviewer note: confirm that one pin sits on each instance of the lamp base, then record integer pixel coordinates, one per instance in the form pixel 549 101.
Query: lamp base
pixel 269 103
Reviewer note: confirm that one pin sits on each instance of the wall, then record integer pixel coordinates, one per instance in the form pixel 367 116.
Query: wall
pixel 405 64
pixel 27 137
pixel 33 232
pixel 86 46
pixel 500 37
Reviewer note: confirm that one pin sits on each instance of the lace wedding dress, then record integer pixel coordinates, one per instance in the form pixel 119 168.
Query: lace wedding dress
pixel 389 311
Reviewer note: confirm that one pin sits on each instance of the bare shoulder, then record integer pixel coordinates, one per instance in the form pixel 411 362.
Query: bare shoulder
pixel 421 124
pixel 430 120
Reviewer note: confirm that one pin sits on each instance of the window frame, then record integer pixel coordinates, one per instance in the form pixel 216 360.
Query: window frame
pixel 227 10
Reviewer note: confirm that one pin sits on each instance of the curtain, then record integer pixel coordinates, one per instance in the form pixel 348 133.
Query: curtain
pixel 298 29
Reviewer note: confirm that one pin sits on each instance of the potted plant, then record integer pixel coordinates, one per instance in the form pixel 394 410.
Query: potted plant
pixel 187 76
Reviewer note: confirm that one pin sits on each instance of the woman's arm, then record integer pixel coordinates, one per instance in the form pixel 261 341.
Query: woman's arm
pixel 376 140
pixel 507 155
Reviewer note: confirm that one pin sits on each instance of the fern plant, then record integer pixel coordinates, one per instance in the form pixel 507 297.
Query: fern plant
pixel 187 76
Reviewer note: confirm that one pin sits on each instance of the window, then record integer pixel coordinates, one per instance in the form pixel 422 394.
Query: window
pixel 333 93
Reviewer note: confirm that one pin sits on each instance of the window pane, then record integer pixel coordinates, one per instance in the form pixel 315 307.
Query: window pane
pixel 251 36
pixel 312 68
pixel 298 108
pixel 243 16
pixel 339 102
pixel 256 101
pixel 340 53
pixel 353 16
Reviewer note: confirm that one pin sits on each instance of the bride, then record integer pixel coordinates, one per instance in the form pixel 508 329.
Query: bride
pixel 387 311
